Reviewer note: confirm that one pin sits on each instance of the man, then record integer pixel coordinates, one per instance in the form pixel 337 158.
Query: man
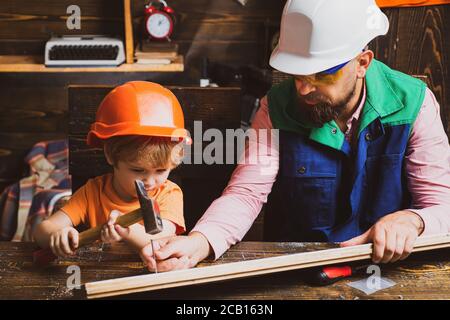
pixel 362 156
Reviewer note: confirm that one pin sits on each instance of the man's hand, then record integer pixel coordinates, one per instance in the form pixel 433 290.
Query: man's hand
pixel 174 253
pixel 393 236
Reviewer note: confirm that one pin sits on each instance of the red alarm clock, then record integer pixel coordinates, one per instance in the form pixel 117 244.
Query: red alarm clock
pixel 160 20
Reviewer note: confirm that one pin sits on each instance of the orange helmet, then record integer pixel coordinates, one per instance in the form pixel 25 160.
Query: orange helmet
pixel 138 108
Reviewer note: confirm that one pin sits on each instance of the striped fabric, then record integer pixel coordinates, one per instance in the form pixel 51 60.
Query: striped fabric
pixel 26 203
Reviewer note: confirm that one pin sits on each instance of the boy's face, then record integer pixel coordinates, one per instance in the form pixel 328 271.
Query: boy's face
pixel 126 172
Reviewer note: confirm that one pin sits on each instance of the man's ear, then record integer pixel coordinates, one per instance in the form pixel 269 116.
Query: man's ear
pixel 107 156
pixel 363 62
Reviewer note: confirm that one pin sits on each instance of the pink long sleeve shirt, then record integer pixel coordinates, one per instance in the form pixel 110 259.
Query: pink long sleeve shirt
pixel 427 161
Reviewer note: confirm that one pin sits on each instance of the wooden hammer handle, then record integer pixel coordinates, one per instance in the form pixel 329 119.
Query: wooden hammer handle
pixel 93 234
pixel 43 257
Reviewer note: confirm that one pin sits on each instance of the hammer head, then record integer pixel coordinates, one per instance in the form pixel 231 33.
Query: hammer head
pixel 150 210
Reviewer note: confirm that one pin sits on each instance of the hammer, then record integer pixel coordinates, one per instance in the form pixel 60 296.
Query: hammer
pixel 148 211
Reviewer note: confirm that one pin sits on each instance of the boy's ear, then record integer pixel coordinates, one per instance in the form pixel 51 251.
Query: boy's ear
pixel 107 156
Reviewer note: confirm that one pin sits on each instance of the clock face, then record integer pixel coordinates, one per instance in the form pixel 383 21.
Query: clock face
pixel 159 25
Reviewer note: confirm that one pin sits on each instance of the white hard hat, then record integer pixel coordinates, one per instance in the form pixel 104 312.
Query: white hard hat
pixel 317 35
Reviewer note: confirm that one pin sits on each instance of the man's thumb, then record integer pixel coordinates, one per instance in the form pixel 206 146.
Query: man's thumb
pixel 361 239
pixel 147 252
pixel 123 232
pixel 171 248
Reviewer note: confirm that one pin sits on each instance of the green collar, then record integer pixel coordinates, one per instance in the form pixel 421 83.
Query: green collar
pixel 387 93
pixel 381 101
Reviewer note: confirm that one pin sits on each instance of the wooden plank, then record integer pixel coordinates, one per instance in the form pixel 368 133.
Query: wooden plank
pixel 19 280
pixel 35 64
pixel 44 97
pixel 129 46
pixel 12 120
pixel 244 269
pixel 421 276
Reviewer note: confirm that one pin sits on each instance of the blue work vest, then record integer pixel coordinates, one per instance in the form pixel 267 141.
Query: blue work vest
pixel 327 192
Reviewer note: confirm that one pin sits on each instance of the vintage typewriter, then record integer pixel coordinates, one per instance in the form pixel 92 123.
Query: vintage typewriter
pixel 90 51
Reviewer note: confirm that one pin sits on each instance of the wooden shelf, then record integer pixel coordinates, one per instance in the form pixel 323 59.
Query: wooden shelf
pixel 27 63
pixel 36 64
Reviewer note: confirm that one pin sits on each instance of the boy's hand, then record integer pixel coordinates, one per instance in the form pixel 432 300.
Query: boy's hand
pixel 64 241
pixel 179 252
pixel 109 232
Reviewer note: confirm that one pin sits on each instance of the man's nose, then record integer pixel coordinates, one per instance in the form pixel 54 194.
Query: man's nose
pixel 304 87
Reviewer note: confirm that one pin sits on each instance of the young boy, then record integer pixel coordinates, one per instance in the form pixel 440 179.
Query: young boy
pixel 140 126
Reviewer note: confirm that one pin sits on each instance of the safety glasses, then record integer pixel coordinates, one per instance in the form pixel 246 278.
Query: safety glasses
pixel 321 78
pixel 327 77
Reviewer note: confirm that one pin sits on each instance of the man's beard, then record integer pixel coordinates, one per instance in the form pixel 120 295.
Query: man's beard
pixel 319 114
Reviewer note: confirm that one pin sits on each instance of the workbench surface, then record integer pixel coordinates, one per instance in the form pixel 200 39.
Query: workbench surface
pixel 423 275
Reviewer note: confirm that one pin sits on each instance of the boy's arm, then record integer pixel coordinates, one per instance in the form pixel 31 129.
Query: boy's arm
pixel 138 238
pixel 44 230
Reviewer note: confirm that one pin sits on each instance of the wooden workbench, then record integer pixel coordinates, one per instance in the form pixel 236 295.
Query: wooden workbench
pixel 422 276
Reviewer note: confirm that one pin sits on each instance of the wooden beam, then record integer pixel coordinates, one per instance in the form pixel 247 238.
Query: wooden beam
pixel 248 268
pixel 35 64
pixel 129 44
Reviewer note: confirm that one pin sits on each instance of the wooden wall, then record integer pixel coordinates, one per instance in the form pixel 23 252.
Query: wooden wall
pixel 220 29
pixel 418 43
pixel 34 106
